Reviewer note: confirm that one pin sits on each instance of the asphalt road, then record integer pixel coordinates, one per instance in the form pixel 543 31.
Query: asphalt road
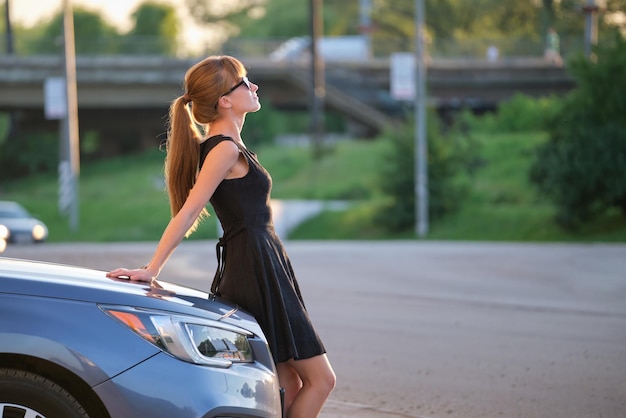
pixel 434 329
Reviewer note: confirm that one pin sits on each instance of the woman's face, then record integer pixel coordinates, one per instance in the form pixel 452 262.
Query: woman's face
pixel 242 96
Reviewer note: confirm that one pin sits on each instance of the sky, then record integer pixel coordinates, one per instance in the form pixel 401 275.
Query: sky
pixel 115 12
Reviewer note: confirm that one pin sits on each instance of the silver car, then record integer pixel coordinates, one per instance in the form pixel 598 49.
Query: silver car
pixel 75 344
pixel 21 226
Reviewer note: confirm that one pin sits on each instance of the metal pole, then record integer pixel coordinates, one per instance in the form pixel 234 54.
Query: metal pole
pixel 591 26
pixel 71 117
pixel 421 146
pixel 365 22
pixel 318 88
pixel 12 128
pixel 8 28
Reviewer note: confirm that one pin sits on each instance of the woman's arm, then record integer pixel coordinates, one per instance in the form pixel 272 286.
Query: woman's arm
pixel 218 164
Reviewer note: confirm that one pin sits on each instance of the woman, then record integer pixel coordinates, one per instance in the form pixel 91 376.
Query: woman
pixel 253 268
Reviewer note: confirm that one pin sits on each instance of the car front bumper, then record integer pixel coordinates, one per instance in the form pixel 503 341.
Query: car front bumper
pixel 163 386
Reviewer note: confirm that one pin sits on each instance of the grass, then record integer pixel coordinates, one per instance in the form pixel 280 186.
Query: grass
pixel 346 171
pixel 502 205
pixel 123 199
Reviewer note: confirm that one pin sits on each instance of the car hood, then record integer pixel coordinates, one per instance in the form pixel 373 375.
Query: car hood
pixel 20 223
pixel 41 279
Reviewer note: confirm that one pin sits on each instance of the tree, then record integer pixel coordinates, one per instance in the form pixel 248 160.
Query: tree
pixel 155 30
pixel 93 35
pixel 271 19
pixel 459 27
pixel 448 155
pixel 582 168
pixel 226 16
pixel 455 27
pixel 280 19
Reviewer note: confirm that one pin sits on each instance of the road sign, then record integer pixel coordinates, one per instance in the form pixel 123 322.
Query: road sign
pixel 402 76
pixel 55 98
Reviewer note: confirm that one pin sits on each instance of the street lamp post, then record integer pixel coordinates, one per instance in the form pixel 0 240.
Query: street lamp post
pixel 318 82
pixel 71 152
pixel 365 22
pixel 591 9
pixel 10 47
pixel 421 146
pixel 8 27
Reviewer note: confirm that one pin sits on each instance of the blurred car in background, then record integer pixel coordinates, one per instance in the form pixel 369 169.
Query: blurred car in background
pixel 76 344
pixel 21 226
pixel 331 49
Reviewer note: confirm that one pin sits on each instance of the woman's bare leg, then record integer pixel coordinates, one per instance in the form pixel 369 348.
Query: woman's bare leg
pixel 290 381
pixel 317 380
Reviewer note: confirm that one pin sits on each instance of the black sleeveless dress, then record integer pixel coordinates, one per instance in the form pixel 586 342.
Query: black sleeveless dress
pixel 253 268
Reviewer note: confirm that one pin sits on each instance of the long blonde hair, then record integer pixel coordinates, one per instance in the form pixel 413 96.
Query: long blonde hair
pixel 190 116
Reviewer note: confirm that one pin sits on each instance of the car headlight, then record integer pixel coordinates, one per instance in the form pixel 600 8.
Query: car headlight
pixel 192 339
pixel 4 232
pixel 39 232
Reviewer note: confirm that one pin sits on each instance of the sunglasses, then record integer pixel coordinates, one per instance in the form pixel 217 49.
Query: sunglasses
pixel 236 86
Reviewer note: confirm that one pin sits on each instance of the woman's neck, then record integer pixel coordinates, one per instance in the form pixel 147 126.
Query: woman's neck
pixel 227 127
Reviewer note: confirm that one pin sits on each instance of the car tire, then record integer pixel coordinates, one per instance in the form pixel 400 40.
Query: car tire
pixel 28 394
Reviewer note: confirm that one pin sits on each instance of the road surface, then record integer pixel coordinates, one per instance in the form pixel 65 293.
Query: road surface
pixel 442 329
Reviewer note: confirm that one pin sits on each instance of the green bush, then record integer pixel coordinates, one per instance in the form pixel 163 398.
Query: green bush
pixel 269 122
pixel 585 174
pixel 4 127
pixel 447 155
pixel 28 154
pixel 521 113
pixel 582 168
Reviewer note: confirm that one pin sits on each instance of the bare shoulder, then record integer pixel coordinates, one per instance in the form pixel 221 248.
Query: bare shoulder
pixel 225 150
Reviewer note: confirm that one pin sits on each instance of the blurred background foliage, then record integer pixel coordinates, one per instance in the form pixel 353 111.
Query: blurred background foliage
pixel 567 154
pixel 582 168
pixel 455 27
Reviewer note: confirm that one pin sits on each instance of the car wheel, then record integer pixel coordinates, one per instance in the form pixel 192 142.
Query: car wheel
pixel 25 394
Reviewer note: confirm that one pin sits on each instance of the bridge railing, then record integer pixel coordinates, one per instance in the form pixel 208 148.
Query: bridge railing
pixel 471 48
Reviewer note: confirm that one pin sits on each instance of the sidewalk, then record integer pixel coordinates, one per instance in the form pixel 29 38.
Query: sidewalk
pixel 288 214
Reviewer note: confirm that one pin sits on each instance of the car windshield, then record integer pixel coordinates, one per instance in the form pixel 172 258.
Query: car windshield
pixel 13 213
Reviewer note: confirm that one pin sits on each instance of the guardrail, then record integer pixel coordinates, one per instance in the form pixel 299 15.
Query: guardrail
pixel 470 48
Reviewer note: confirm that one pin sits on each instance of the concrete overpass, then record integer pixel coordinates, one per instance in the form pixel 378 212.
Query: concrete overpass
pixel 124 95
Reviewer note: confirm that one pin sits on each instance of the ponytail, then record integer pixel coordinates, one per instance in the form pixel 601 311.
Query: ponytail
pixel 182 158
